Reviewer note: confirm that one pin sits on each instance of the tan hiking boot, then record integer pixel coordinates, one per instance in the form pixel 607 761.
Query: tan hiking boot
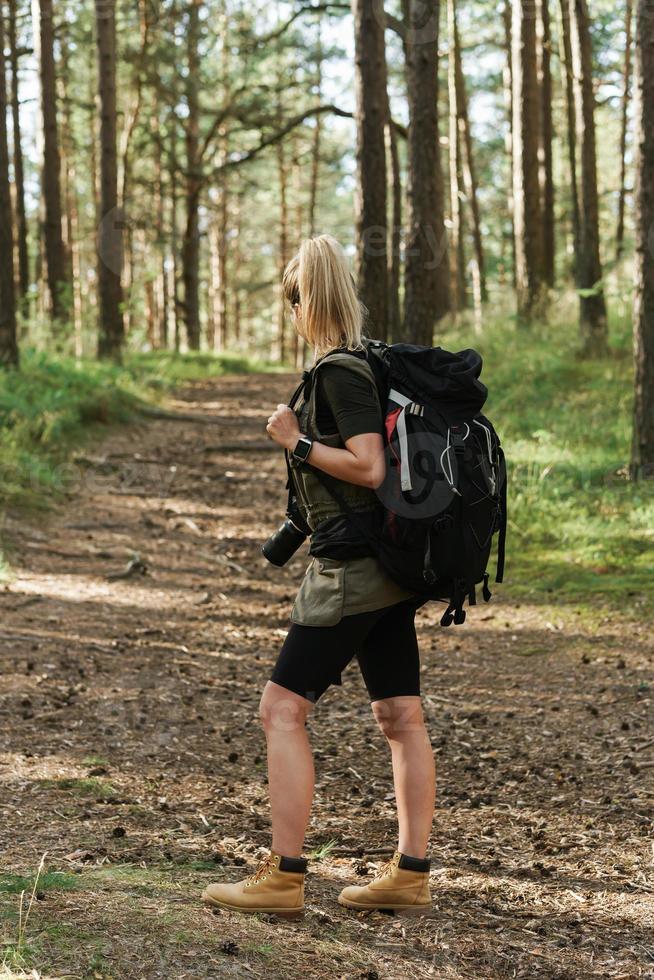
pixel 277 887
pixel 401 886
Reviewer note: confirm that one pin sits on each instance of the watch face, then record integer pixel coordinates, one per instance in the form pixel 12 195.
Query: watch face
pixel 302 449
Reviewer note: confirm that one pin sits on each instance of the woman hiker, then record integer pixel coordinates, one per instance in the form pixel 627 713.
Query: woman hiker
pixel 346 607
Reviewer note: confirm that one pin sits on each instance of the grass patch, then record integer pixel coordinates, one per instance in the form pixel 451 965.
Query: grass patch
pixel 15 884
pixel 54 403
pixel 579 530
pixel 91 786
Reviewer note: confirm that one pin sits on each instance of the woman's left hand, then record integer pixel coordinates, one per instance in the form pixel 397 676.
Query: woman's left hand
pixel 284 427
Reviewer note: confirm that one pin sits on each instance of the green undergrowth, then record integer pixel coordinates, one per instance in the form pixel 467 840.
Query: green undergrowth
pixel 580 532
pixel 53 404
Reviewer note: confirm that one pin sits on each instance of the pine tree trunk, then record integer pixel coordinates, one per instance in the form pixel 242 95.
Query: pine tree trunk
pixel 221 244
pixel 54 243
pixel 546 138
pixel 468 165
pixel 70 199
pixel 19 169
pixel 191 243
pixel 566 63
pixel 110 245
pixel 237 252
pixel 298 234
pixel 173 170
pixel 282 248
pixel 456 246
pixel 642 452
pixel 507 87
pixel 8 344
pixel 526 193
pixel 619 236
pixel 371 112
pixel 395 236
pixel 317 136
pixel 160 238
pixel 592 306
pixel 427 283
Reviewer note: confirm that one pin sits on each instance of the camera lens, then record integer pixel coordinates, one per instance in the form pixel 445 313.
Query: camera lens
pixel 282 545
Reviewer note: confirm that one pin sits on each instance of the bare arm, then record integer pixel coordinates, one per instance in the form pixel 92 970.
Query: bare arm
pixel 361 461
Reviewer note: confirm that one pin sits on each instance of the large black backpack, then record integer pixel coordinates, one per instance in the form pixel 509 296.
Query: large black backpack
pixel 444 493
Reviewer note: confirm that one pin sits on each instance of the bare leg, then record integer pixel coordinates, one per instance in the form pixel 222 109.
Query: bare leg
pixel 290 766
pixel 401 721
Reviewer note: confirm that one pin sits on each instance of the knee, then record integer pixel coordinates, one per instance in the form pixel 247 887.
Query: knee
pixel 399 718
pixel 281 710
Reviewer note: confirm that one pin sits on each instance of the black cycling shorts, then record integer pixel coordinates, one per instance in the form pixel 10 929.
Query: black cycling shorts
pixel 384 642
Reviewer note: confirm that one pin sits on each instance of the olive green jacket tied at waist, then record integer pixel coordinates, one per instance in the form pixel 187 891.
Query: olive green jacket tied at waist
pixel 333 588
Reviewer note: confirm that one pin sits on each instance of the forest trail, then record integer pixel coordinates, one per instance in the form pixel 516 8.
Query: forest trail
pixel 132 754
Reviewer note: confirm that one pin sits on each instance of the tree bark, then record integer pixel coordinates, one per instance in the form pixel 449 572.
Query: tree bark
pixel 110 245
pixel 191 242
pixel 54 242
pixel 395 236
pixel 592 308
pixel 19 169
pixel 619 236
pixel 468 165
pixel 566 63
pixel 546 138
pixel 73 237
pixel 371 112
pixel 173 170
pixel 526 192
pixel 427 284
pixel 317 137
pixel 642 451
pixel 507 86
pixel 8 343
pixel 456 245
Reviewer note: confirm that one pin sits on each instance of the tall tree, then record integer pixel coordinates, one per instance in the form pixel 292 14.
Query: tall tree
pixel 468 166
pixel 642 451
pixel 622 193
pixel 507 88
pixel 371 118
pixel 110 244
pixel 592 318
pixel 566 63
pixel 456 244
pixel 317 135
pixel 526 191
pixel 191 241
pixel 427 280
pixel 544 35
pixel 8 345
pixel 395 233
pixel 19 169
pixel 55 252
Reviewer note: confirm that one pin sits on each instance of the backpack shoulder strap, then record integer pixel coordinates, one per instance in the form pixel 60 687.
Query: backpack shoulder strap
pixel 345 359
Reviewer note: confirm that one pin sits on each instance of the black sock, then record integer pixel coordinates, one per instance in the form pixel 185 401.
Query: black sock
pixel 413 864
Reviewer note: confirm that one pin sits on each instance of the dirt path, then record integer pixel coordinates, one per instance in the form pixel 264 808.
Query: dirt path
pixel 131 751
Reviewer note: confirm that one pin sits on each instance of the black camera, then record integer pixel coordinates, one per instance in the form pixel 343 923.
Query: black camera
pixel 282 545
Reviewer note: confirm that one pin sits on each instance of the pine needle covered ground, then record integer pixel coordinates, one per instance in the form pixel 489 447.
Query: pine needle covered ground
pixel 139 623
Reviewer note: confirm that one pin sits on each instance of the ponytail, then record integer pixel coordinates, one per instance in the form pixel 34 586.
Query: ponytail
pixel 319 279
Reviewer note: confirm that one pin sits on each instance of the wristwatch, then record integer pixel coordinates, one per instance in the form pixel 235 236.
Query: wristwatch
pixel 302 449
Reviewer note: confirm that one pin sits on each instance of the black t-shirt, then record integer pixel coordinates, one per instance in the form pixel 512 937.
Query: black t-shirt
pixel 345 404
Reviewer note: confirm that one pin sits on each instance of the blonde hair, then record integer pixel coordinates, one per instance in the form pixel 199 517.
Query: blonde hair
pixel 319 279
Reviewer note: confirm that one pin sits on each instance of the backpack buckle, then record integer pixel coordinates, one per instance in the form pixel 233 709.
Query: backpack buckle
pixel 457 439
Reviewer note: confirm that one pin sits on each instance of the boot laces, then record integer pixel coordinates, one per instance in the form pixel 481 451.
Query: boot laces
pixel 262 871
pixel 385 870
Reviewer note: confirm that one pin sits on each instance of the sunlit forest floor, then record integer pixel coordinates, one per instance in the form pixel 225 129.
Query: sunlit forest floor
pixel 138 626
